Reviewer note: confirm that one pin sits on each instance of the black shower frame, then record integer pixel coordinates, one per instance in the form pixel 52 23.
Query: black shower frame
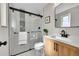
pixel 30 13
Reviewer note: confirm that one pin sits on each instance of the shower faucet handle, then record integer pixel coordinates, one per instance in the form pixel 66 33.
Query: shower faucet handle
pixel 28 32
pixel 15 32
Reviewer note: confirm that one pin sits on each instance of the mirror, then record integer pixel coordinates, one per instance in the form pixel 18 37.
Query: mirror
pixel 67 15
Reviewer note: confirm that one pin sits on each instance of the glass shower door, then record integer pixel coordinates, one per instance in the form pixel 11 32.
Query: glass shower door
pixel 17 25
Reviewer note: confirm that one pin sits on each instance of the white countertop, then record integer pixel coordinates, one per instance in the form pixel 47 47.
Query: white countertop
pixel 74 43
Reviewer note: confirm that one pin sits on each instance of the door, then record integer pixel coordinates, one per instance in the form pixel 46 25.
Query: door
pixel 17 25
pixel 3 30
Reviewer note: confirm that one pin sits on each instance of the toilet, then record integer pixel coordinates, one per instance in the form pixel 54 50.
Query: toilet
pixel 39 48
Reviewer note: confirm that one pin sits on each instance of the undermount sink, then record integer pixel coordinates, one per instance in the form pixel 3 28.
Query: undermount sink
pixel 57 37
pixel 60 38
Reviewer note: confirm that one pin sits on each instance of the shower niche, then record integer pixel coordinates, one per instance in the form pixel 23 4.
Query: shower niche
pixel 22 22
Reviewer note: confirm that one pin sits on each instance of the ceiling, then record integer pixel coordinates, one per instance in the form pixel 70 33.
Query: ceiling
pixel 31 7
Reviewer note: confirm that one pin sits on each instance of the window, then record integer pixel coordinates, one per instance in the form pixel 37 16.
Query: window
pixel 65 20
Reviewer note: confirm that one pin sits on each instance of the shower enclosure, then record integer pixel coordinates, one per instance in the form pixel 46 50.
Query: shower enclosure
pixel 23 22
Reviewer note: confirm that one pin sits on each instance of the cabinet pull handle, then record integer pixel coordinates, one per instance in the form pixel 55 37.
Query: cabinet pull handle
pixel 54 47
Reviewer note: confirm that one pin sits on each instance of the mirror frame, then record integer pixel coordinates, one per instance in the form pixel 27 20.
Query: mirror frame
pixel 55 19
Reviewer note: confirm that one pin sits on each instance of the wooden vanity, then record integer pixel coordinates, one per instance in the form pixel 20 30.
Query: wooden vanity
pixel 56 48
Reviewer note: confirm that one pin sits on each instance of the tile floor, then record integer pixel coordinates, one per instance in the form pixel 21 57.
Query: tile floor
pixel 31 53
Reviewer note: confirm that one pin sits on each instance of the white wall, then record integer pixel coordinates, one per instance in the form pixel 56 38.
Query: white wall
pixel 56 4
pixel 49 11
pixel 4 50
pixel 62 7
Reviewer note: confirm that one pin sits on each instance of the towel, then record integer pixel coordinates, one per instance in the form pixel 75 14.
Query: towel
pixel 22 37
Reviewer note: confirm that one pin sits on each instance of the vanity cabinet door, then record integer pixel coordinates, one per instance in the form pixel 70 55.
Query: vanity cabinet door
pixel 49 47
pixel 74 51
pixel 67 50
pixel 56 48
pixel 64 50
pixel 61 50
